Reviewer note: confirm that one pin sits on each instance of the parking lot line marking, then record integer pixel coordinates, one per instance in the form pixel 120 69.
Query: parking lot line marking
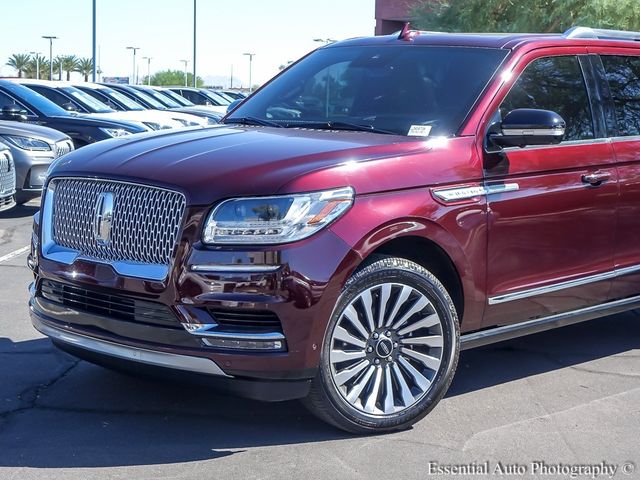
pixel 15 253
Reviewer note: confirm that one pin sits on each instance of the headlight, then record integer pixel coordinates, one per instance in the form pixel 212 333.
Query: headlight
pixel 28 143
pixel 272 220
pixel 115 132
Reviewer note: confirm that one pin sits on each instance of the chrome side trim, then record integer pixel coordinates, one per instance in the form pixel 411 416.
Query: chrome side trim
pixel 507 332
pixel 208 330
pixel 568 143
pixel 464 193
pixel 140 355
pixel 235 268
pixel 534 132
pixel 533 292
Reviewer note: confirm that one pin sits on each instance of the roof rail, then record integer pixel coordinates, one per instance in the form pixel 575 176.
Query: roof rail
pixel 601 33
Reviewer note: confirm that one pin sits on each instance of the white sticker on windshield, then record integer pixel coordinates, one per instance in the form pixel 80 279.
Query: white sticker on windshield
pixel 419 131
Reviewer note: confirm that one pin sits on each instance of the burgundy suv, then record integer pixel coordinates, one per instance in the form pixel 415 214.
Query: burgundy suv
pixel 374 209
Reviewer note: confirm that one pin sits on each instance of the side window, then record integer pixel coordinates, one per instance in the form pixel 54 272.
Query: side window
pixel 54 96
pixel 6 101
pixel 557 84
pixel 623 75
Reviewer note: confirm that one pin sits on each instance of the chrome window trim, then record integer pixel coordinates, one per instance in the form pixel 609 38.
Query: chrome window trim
pixel 52 251
pixel 628 138
pixel 568 143
pixel 135 354
pixel 534 292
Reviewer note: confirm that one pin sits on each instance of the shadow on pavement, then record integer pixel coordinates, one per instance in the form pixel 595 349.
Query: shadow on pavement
pixel 21 211
pixel 71 414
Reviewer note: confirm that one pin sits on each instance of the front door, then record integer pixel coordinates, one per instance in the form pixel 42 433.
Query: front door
pixel 552 227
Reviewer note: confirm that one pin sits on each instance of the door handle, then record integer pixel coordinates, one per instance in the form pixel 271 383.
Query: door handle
pixel 596 178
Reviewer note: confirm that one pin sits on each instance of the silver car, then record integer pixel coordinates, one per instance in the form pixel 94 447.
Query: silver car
pixel 7 178
pixel 33 148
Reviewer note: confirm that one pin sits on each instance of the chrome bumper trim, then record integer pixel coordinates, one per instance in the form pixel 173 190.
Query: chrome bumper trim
pixel 235 268
pixel 208 330
pixel 140 355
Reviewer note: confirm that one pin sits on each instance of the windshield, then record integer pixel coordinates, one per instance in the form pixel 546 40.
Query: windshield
pixel 406 90
pixel 219 99
pixel 162 98
pixel 118 97
pixel 148 99
pixel 35 101
pixel 83 98
pixel 178 98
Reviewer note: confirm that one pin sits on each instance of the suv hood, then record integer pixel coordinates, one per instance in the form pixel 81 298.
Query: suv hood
pixel 30 130
pixel 224 161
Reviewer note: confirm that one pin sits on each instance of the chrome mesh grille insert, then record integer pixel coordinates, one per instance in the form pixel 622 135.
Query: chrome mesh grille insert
pixel 144 228
pixel 65 146
pixel 7 175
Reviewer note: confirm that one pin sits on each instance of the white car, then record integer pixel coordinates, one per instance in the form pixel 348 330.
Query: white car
pixel 69 97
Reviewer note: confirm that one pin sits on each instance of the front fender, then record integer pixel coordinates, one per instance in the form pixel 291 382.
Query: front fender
pixel 459 230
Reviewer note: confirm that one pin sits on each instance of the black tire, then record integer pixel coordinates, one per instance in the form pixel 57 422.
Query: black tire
pixel 325 400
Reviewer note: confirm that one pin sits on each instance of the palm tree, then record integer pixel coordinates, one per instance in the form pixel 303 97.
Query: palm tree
pixel 84 66
pixel 19 61
pixel 69 64
pixel 40 62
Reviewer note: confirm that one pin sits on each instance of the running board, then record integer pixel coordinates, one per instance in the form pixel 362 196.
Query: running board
pixel 507 332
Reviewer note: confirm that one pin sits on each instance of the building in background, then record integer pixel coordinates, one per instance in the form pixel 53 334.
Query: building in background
pixel 391 15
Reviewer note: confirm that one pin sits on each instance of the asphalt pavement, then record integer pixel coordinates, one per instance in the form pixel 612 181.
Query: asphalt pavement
pixel 536 406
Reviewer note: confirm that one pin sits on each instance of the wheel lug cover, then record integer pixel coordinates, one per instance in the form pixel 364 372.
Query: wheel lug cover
pixel 375 335
pixel 377 361
pixel 369 349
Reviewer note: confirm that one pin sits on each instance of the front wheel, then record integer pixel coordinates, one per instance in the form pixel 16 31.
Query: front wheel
pixel 390 350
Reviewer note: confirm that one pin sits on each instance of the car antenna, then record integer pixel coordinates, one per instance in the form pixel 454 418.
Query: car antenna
pixel 406 33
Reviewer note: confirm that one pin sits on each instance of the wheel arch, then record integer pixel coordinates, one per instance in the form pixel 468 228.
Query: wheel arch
pixel 430 245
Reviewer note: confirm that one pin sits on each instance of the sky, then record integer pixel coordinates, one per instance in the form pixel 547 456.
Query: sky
pixel 277 31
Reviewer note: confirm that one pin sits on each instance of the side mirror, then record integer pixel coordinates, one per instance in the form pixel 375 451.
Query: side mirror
pixel 69 107
pixel 14 112
pixel 529 126
pixel 234 104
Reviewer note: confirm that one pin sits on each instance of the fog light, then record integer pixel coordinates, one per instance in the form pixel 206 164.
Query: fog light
pixel 212 336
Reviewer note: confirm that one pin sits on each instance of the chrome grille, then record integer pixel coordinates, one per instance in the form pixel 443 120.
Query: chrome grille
pixel 63 147
pixel 144 228
pixel 7 175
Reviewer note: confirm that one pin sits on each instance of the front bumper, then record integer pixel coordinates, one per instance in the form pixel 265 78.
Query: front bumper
pixel 296 284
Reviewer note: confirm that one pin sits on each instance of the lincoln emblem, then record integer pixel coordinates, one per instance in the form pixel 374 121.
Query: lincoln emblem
pixel 103 218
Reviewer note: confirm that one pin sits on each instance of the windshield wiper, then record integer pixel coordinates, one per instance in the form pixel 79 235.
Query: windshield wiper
pixel 333 125
pixel 252 121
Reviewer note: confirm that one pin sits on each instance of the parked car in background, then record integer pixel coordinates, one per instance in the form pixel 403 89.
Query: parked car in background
pixel 220 93
pixel 236 94
pixel 7 178
pixel 33 148
pixel 150 102
pixel 201 96
pixel 166 97
pixel 119 101
pixel 71 98
pixel 19 103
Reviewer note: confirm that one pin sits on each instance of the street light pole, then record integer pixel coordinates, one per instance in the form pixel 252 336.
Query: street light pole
pixel 194 43
pixel 37 54
pixel 93 46
pixel 185 72
pixel 133 72
pixel 250 55
pixel 51 39
pixel 148 59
